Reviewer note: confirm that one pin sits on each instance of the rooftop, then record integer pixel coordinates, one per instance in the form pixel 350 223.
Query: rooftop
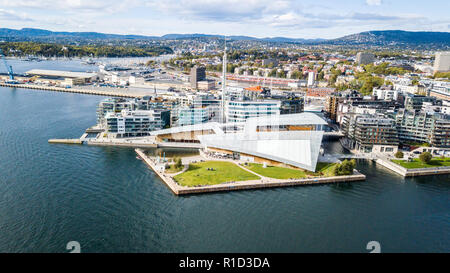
pixel 60 73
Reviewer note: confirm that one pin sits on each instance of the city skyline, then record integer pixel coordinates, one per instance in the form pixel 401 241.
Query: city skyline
pixel 294 19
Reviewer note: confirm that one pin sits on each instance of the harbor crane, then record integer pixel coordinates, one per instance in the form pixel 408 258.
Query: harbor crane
pixel 8 67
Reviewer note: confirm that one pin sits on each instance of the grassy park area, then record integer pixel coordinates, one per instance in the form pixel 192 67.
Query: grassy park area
pixel 416 163
pixel 219 172
pixel 323 169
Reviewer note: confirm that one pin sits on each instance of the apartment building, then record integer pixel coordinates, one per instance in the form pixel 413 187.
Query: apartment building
pixel 422 127
pixel 414 102
pixel 135 123
pixel 365 58
pixel 442 62
pixel 371 133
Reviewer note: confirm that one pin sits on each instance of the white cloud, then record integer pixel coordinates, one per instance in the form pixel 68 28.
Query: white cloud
pixel 373 2
pixel 14 16
pixel 295 18
pixel 99 6
pixel 222 10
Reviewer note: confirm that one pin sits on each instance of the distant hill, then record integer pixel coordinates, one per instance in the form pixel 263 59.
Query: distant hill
pixel 369 38
pixel 394 37
pixel 34 33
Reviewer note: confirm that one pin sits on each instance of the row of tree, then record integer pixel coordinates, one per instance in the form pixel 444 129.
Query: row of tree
pixel 60 50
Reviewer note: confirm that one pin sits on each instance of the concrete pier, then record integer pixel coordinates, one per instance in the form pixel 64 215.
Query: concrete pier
pixel 244 185
pixel 65 141
pixel 112 93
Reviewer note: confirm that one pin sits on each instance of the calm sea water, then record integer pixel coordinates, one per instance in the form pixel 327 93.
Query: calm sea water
pixel 106 199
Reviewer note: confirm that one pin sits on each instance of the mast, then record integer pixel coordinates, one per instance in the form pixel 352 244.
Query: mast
pixel 224 79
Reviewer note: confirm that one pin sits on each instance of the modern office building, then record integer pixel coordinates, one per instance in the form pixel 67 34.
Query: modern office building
pixel 240 111
pixel 198 73
pixel 191 115
pixel 364 58
pixel 442 62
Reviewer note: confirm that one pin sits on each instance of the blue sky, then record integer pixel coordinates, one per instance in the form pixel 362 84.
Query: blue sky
pixel 258 18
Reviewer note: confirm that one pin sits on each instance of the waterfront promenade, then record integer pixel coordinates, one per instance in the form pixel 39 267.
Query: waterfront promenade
pixel 411 172
pixel 265 182
pixel 114 92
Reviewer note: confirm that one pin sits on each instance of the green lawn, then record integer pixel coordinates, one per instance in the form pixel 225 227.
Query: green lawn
pixel 198 174
pixel 416 163
pixel 323 169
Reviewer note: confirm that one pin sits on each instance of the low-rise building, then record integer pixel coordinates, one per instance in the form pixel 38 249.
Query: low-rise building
pixel 386 93
pixel 319 91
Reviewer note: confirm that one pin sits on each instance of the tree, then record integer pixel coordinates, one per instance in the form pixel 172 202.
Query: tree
pixel 281 74
pixel 320 75
pixel 344 168
pixel 296 74
pixel 442 75
pixel 425 157
pixel 273 73
pixel 178 163
pixel 399 154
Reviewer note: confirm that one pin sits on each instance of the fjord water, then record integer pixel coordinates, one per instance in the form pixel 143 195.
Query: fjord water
pixel 108 201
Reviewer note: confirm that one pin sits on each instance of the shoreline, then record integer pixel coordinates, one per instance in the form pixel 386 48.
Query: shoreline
pixel 412 172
